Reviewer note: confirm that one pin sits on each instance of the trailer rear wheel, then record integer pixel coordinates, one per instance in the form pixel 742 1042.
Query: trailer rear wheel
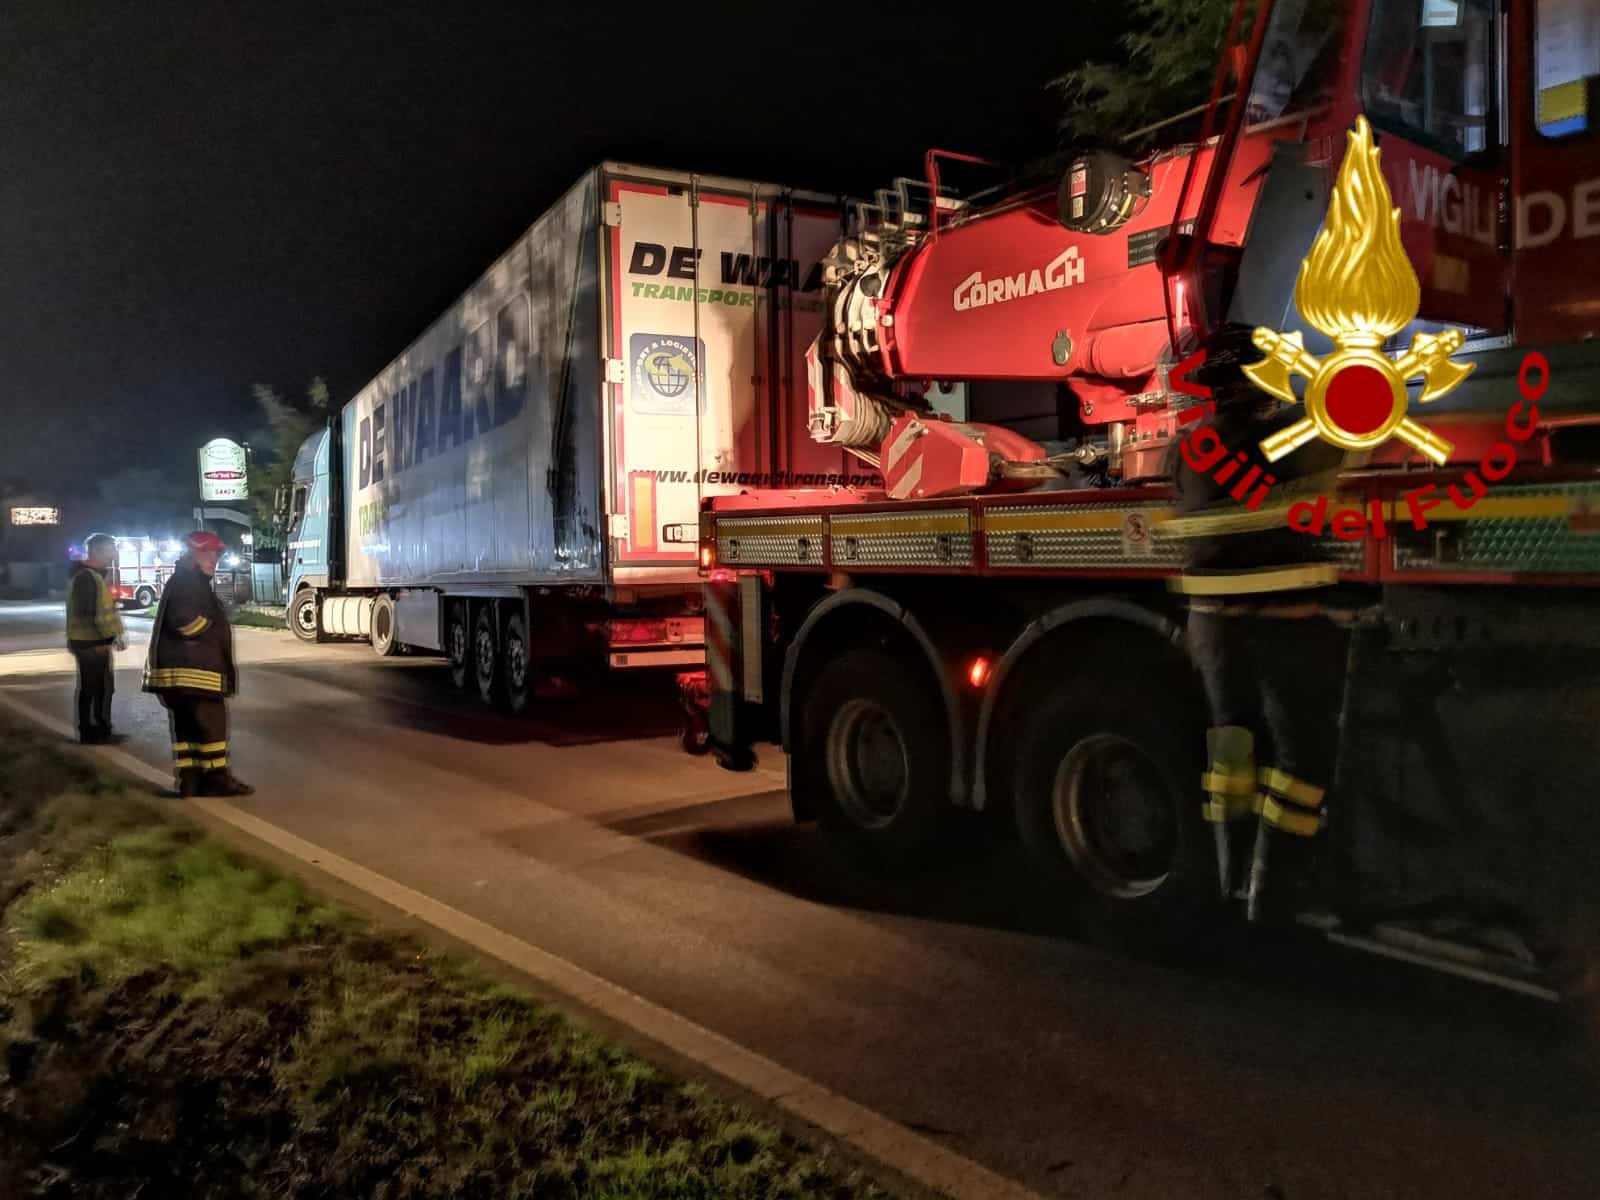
pixel 1108 805
pixel 458 644
pixel 518 666
pixel 486 668
pixel 881 770
pixel 384 642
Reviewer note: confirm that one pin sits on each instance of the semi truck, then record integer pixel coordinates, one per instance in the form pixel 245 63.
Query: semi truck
pixel 519 489
pixel 998 631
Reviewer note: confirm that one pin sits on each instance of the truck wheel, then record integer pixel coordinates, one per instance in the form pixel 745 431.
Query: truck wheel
pixel 458 644
pixel 694 736
pixel 873 737
pixel 486 669
pixel 518 667
pixel 303 615
pixel 1108 806
pixel 384 642
pixel 144 598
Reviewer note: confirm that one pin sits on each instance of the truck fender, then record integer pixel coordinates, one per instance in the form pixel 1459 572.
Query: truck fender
pixel 902 616
pixel 1035 631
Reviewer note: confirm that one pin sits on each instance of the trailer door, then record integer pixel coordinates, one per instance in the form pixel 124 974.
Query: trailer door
pixel 714 294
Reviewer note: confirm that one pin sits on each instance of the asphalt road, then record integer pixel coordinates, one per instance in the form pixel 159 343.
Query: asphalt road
pixel 952 1003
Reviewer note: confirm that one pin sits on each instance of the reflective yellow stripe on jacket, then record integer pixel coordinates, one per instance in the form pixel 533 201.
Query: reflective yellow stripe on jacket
pixel 183 677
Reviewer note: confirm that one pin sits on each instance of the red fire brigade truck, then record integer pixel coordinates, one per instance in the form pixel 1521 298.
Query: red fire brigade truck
pixel 142 569
pixel 995 629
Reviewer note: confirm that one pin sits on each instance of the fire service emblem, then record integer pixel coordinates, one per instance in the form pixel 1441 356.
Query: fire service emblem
pixel 1357 287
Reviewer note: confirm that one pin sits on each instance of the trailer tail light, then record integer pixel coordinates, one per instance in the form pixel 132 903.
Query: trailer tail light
pixel 633 633
pixel 708 557
pixel 978 671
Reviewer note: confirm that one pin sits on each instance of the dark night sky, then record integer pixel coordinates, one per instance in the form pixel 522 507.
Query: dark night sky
pixel 195 197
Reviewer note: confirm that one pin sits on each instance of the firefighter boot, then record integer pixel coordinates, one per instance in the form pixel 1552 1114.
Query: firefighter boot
pixel 223 783
pixel 1230 785
pixel 1291 814
pixel 186 782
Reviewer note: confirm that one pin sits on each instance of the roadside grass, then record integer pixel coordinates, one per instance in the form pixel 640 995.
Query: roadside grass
pixel 238 616
pixel 257 620
pixel 176 1019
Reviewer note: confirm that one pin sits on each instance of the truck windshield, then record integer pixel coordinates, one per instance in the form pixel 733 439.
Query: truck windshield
pixel 1299 58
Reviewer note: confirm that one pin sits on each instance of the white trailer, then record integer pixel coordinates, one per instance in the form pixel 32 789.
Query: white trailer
pixel 522 484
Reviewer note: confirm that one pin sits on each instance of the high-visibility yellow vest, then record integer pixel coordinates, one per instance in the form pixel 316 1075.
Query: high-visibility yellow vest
pixel 106 621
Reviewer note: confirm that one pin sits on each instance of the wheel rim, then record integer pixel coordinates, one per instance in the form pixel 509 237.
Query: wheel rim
pixel 516 662
pixel 458 643
pixel 305 615
pixel 1115 816
pixel 383 624
pixel 869 765
pixel 485 658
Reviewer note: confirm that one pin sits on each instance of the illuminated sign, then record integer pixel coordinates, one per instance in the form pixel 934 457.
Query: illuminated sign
pixel 36 516
pixel 222 471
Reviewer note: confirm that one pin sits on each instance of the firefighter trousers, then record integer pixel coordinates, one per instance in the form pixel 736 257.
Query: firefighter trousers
pixel 1274 686
pixel 199 734
pixel 1281 678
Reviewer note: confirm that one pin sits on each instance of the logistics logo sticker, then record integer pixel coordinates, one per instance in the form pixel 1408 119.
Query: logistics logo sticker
pixel 664 373
pixel 1357 287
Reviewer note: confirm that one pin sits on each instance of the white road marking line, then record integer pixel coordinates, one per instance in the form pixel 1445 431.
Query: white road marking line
pixel 897 1147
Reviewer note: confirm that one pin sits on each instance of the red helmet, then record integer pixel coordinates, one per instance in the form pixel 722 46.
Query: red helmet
pixel 205 541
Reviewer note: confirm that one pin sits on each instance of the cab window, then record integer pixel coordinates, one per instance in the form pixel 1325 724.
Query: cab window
pixel 1566 66
pixel 1429 73
pixel 1299 60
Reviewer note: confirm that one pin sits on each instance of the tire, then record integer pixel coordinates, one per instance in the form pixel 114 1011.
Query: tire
pixel 487 671
pixel 1107 804
pixel 694 737
pixel 516 666
pixel 303 615
pixel 144 598
pixel 876 758
pixel 458 644
pixel 384 642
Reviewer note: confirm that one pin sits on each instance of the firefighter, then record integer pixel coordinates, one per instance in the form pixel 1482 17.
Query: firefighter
pixel 191 668
pixel 1265 627
pixel 94 631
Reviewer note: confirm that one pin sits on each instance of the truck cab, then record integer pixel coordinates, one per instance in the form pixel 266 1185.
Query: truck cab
pixel 305 515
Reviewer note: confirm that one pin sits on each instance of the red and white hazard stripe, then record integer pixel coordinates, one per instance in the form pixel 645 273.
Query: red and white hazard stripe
pixel 721 599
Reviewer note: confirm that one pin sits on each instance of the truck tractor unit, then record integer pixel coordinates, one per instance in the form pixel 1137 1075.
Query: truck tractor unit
pixel 996 628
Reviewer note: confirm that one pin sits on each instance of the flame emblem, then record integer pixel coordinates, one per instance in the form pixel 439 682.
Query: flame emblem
pixel 1358 287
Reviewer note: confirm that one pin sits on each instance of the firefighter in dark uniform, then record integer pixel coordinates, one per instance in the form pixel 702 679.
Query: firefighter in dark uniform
pixel 94 631
pixel 1266 628
pixel 191 669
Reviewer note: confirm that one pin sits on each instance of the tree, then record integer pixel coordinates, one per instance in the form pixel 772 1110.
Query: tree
pixel 289 423
pixel 1171 61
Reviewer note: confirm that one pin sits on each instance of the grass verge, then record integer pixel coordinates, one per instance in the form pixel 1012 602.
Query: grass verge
pixel 257 620
pixel 174 1020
